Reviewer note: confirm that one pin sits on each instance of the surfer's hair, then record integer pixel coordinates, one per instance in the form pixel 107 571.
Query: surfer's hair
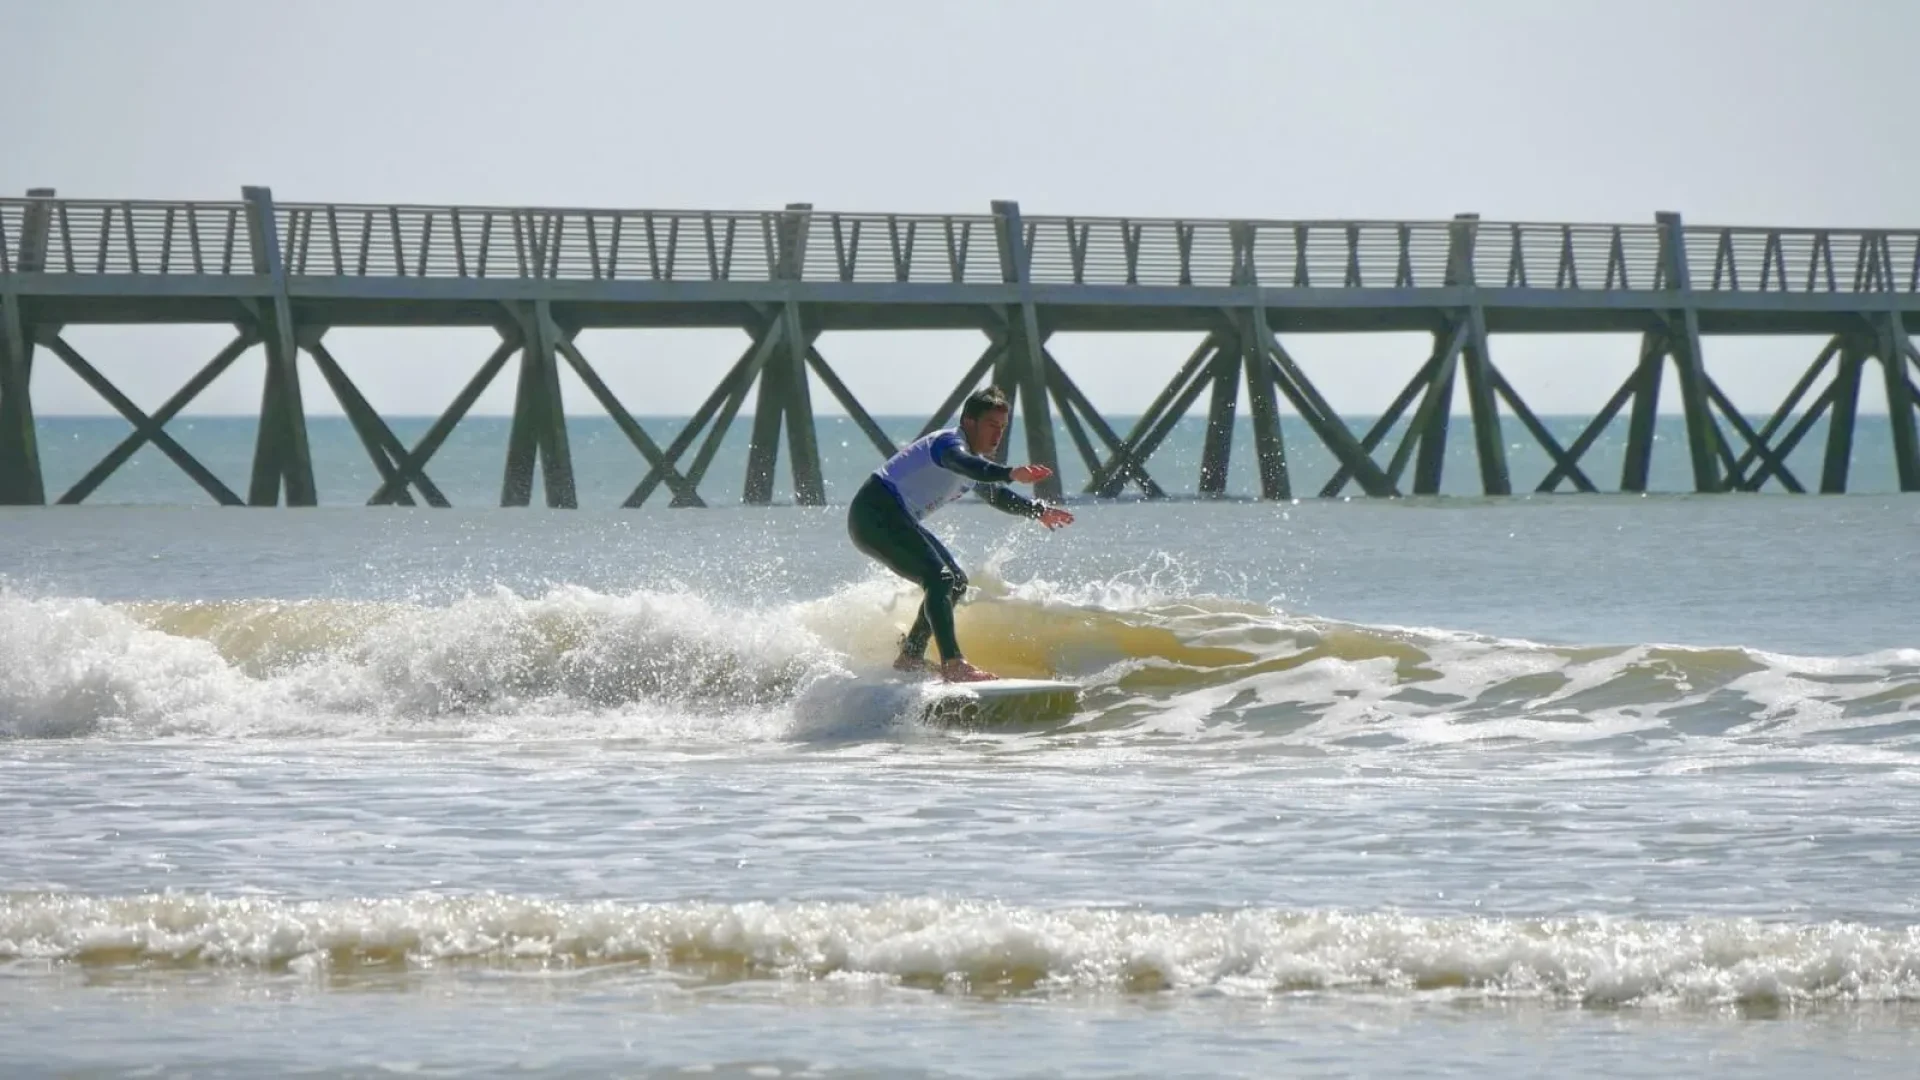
pixel 983 401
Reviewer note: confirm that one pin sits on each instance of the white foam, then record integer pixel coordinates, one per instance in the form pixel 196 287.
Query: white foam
pixel 75 666
pixel 987 946
pixel 567 663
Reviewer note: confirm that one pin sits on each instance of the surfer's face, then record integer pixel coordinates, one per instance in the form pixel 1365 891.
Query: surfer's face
pixel 983 432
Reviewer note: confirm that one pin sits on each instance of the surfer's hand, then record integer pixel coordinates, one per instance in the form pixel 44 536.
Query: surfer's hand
pixel 1030 474
pixel 1053 517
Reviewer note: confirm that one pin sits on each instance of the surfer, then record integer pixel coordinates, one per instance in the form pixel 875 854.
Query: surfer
pixel 933 470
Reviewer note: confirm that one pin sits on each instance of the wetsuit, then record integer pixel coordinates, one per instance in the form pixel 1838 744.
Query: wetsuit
pixel 884 522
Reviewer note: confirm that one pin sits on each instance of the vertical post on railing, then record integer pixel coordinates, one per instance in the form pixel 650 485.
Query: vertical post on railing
pixel 1474 356
pixel 280 448
pixel 1025 358
pixel 1703 434
pixel 1461 234
pixel 20 481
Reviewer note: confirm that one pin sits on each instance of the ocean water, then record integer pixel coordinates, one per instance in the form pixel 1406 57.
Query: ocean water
pixel 1609 785
pixel 470 466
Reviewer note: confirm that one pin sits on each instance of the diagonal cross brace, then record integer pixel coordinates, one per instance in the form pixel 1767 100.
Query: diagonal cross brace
pixel 1166 410
pixel 1780 416
pixel 1593 430
pixel 627 424
pixel 1756 445
pixel 1326 423
pixel 1564 462
pixel 151 428
pixel 411 465
pixel 1071 399
pixel 965 386
pixel 726 399
pixel 1378 432
pixel 637 435
pixel 848 402
pixel 1422 379
pixel 1075 429
pixel 382 446
pixel 1824 401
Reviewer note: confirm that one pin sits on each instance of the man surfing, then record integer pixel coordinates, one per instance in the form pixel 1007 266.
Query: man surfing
pixel 933 470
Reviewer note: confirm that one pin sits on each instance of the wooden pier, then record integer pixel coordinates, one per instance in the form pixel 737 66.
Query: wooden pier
pixel 283 275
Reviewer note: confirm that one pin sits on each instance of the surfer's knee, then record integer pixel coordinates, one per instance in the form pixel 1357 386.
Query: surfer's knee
pixel 946 580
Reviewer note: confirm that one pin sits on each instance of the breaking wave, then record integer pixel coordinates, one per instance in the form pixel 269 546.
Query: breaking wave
pixel 574 662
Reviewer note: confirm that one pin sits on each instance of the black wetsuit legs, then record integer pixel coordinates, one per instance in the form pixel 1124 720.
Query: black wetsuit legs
pixel 882 529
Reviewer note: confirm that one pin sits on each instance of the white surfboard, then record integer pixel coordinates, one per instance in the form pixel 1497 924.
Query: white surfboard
pixel 1001 701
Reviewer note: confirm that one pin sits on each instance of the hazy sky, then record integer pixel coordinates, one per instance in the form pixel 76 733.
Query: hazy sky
pixel 1730 112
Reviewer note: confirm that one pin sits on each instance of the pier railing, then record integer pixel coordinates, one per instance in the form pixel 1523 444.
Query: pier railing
pixel 124 237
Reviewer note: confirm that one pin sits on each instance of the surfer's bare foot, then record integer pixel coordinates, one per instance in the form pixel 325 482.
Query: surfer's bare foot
pixel 912 663
pixel 961 671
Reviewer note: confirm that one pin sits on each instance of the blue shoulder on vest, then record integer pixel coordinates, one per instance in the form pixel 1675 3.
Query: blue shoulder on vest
pixel 944 443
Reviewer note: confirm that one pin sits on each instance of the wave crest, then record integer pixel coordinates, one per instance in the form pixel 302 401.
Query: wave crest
pixel 517 665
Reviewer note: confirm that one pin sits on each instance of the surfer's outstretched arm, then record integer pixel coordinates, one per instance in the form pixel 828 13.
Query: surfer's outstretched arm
pixel 989 475
pixel 1008 501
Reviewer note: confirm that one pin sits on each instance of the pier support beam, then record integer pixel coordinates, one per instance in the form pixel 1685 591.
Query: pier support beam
pixel 539 428
pixel 1462 234
pixel 1646 404
pixel 1840 418
pixel 1485 410
pixel 20 478
pixel 281 460
pixel 784 402
pixel 1217 445
pixel 21 481
pixel 1896 350
pixel 1025 371
pixel 1256 341
pixel 785 398
pixel 1704 441
pixel 1430 423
